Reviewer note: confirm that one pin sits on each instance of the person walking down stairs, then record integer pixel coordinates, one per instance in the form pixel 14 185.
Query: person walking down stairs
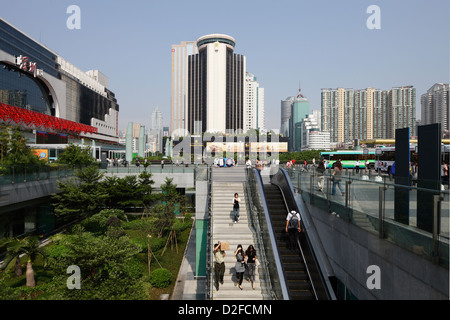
pixel 236 203
pixel 239 265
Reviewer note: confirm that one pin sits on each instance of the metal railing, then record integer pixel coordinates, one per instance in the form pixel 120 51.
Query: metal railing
pixel 154 168
pixel 273 267
pixel 369 201
pixel 266 280
pixel 28 173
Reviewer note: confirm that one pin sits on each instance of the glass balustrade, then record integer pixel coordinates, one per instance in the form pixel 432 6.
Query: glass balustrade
pixel 368 200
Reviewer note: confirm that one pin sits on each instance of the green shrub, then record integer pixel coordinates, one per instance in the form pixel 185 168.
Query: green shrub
pixel 155 243
pixel 161 278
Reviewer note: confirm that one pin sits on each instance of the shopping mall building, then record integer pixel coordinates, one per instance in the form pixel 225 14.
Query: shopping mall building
pixel 54 102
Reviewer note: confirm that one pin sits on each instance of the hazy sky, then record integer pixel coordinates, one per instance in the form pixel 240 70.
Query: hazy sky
pixel 323 44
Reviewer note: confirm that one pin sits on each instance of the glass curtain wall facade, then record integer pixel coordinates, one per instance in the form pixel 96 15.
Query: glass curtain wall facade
pixel 235 92
pixel 23 89
pixel 216 92
pixel 197 79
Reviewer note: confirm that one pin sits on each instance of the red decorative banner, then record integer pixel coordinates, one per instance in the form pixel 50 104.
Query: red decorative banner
pixel 42 121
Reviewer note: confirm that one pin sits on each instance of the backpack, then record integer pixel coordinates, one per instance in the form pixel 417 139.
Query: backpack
pixel 294 222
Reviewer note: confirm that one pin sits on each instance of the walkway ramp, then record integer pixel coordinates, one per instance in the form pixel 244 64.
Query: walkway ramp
pixel 225 183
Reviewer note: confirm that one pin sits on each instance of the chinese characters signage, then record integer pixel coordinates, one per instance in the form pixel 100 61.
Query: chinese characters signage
pixel 25 64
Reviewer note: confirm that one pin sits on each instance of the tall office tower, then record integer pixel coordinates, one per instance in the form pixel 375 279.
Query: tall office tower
pixel 180 53
pixel 216 92
pixel 156 132
pixel 254 104
pixel 299 111
pixel 435 106
pixel 286 115
pixel 157 120
pixel 402 110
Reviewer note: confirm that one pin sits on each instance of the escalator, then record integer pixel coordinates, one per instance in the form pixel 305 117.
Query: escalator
pixel 304 273
pixel 294 267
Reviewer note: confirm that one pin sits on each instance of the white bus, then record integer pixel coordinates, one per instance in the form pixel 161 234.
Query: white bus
pixel 385 156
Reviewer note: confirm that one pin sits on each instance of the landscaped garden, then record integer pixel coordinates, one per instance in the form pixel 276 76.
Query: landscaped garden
pixel 105 253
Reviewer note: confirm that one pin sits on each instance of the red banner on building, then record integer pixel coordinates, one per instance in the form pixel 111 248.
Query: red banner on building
pixel 15 115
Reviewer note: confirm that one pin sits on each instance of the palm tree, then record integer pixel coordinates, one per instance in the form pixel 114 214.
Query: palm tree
pixel 28 246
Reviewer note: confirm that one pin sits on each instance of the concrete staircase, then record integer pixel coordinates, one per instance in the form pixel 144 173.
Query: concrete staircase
pixel 226 182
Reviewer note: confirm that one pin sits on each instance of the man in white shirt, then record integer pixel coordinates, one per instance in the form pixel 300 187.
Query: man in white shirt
pixel 293 227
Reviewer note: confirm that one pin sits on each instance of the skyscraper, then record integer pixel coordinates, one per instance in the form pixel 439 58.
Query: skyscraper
pixel 402 109
pixel 180 53
pixel 254 104
pixel 156 132
pixel 286 115
pixel 435 106
pixel 367 114
pixel 216 92
pixel 299 111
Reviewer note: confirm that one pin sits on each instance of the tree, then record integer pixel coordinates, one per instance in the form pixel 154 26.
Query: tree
pixel 81 195
pixel 29 246
pixel 145 190
pixel 109 269
pixel 171 202
pixel 76 155
pixel 14 149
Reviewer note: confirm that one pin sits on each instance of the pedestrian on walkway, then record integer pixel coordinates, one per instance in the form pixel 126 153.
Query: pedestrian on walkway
pixel 414 174
pixel 219 267
pixel 357 164
pixel 239 265
pixel 320 172
pixel 250 253
pixel 293 228
pixel 162 164
pixel 337 174
pixel 236 204
pixel 444 173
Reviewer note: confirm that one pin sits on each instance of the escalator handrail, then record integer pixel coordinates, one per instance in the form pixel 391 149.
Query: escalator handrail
pixel 278 263
pixel 300 247
pixel 329 289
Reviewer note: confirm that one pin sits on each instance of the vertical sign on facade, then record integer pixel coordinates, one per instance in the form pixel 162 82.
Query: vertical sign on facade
pixel 429 149
pixel 402 162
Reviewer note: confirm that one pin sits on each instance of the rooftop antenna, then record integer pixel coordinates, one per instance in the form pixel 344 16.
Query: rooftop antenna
pixel 300 90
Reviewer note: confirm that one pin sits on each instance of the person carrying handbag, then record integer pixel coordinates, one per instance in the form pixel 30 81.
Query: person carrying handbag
pixel 251 264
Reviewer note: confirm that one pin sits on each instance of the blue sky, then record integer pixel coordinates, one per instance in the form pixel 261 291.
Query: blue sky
pixel 323 44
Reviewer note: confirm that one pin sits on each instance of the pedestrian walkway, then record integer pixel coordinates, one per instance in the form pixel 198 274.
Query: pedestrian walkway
pixel 226 182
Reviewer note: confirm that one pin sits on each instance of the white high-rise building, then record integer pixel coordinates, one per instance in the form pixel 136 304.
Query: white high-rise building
pixel 312 137
pixel 435 106
pixel 180 53
pixel 216 91
pixel 254 104
pixel 157 120
pixel 156 132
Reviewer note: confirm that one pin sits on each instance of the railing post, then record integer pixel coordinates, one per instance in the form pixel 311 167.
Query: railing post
pixel 435 244
pixel 381 211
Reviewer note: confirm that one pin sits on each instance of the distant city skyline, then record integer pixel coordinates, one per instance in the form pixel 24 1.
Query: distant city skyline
pixel 323 44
